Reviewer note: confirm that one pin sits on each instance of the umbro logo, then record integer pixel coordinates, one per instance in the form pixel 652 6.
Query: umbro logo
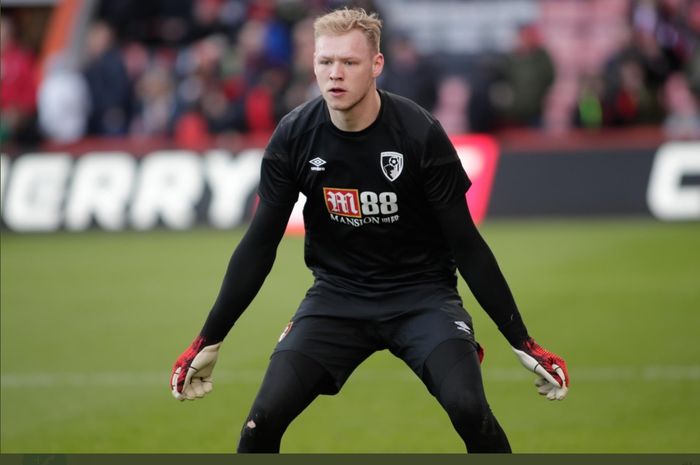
pixel 462 326
pixel 318 163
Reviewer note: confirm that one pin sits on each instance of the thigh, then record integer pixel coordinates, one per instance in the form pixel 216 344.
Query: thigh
pixel 292 381
pixel 337 344
pixel 453 370
pixel 416 334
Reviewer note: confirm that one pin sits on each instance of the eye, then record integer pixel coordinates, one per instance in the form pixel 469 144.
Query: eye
pixel 349 62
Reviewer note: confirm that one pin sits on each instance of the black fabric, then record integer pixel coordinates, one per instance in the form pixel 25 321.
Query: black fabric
pixel 368 237
pixel 478 267
pixel 370 195
pixel 291 383
pixel 248 267
pixel 340 345
pixel 452 374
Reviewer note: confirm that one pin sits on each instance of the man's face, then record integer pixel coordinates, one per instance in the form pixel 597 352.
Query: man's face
pixel 346 68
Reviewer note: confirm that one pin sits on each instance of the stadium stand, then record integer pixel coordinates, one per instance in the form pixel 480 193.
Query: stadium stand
pixel 206 71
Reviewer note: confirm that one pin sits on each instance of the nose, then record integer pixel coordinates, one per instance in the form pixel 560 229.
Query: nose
pixel 336 71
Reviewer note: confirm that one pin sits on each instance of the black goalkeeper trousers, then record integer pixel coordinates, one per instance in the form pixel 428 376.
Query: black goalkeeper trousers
pixel 451 373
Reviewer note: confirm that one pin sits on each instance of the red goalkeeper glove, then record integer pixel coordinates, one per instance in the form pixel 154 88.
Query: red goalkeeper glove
pixel 554 378
pixel 191 377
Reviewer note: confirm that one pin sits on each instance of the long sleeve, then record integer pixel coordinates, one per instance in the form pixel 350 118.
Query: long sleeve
pixel 248 267
pixel 477 265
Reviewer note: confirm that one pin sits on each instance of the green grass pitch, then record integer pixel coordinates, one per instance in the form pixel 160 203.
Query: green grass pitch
pixel 92 322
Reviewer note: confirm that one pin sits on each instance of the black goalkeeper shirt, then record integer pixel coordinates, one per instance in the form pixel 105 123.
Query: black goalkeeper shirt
pixel 370 195
pixel 386 218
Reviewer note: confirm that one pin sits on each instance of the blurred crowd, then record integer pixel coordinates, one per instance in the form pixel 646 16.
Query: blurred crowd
pixel 653 74
pixel 199 71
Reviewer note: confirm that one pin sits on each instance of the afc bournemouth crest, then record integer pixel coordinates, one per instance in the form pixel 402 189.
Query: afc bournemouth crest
pixel 392 164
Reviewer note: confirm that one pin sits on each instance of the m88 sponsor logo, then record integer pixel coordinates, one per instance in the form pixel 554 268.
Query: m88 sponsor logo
pixel 355 208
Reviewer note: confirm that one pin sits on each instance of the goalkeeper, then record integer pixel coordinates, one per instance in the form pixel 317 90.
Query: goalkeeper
pixel 387 229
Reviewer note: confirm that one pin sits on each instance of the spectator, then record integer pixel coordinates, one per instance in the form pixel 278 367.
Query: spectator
pixel 156 106
pixel 302 86
pixel 484 84
pixel 590 112
pixel 218 112
pixel 18 87
pixel 233 67
pixel 666 24
pixel 409 74
pixel 264 104
pixel 528 75
pixel 631 101
pixel 692 67
pixel 251 49
pixel 204 88
pixel 452 104
pixel 682 119
pixel 64 102
pixel 137 59
pixel 108 83
pixel 191 131
pixel 207 19
pixel 641 47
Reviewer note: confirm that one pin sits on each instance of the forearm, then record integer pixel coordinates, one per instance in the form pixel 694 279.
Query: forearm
pixel 248 267
pixel 246 272
pixel 479 268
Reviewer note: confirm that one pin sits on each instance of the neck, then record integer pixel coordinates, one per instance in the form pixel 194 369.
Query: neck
pixel 359 116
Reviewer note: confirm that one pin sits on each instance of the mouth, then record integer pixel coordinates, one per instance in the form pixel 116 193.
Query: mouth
pixel 336 91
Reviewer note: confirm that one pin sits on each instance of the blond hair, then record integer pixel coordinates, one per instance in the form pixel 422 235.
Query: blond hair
pixel 345 20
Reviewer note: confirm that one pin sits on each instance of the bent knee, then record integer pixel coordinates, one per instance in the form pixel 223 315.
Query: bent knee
pixel 467 408
pixel 258 420
pixel 259 434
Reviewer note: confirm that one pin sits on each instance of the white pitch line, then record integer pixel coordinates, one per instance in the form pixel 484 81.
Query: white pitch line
pixel 497 374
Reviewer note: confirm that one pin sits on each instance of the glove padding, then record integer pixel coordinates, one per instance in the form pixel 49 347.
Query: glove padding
pixel 191 377
pixel 554 377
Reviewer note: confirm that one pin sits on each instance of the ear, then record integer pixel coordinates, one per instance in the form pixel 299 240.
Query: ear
pixel 377 65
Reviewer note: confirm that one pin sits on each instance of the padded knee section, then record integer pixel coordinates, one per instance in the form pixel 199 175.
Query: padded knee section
pixel 467 409
pixel 291 383
pixel 471 415
pixel 259 434
pixel 453 375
